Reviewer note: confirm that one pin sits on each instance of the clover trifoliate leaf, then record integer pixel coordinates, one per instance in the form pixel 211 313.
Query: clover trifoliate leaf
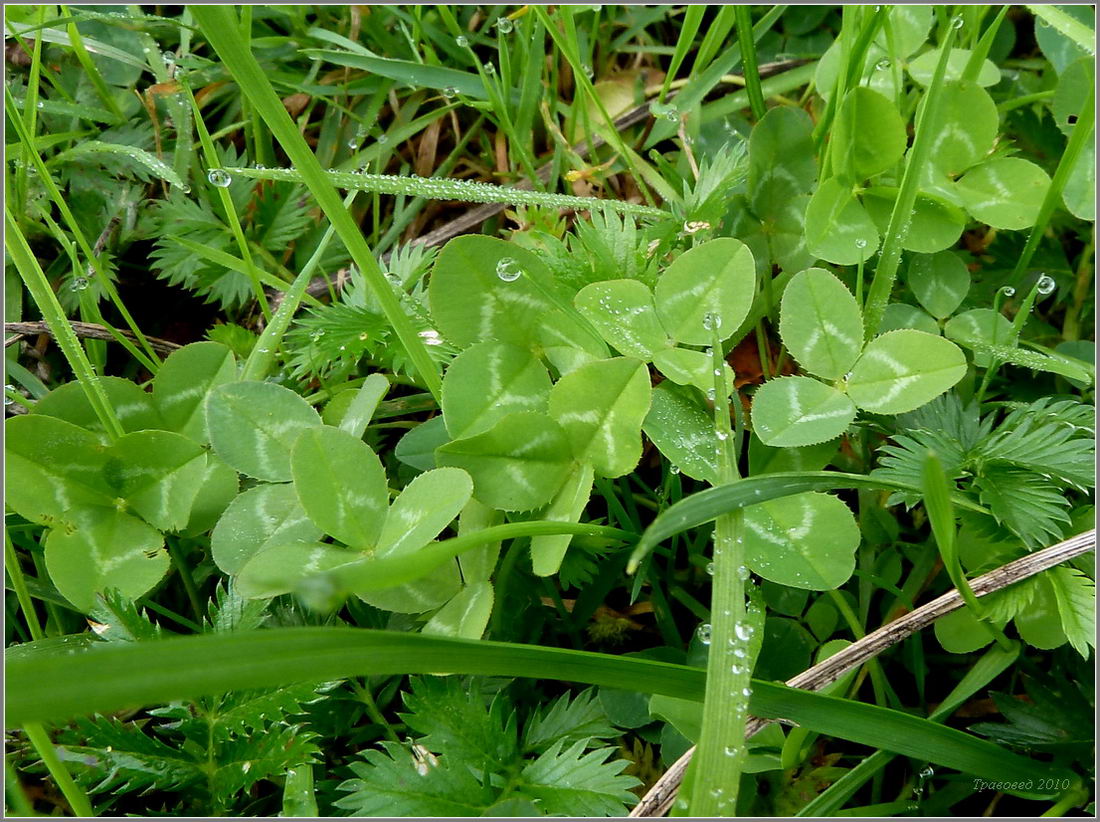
pixel 868 135
pixel 424 507
pixel 902 370
pixel 158 473
pixel 821 323
pixel 795 411
pixel 838 228
pixel 568 504
pixel 517 465
pixel 804 541
pixel 133 407
pixel 465 615
pixel 101 548
pixel 981 326
pixel 939 281
pixel 258 519
pixel 183 381
pixel 922 68
pixel 707 287
pixel 1005 193
pixel 624 314
pixel 253 426
pixel 480 289
pixel 601 406
pixel 686 366
pixel 341 484
pixel 683 431
pixel 968 127
pixel 52 466
pixel 903 315
pixel 488 381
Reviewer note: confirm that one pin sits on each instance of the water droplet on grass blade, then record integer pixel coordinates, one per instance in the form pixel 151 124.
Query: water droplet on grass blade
pixel 1046 285
pixel 743 631
pixel 703 633
pixel 450 92
pixel 80 284
pixel 462 41
pixel 711 321
pixel 882 65
pixel 710 565
pixel 957 22
pixel 1008 291
pixel 219 177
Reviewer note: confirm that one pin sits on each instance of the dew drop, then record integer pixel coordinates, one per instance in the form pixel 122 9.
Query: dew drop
pixel 711 321
pixel 743 572
pixel 383 139
pixel 462 41
pixel 490 69
pixel 80 284
pixel 732 750
pixel 882 65
pixel 1008 291
pixel 737 669
pixel 596 8
pixel 589 72
pixel 710 566
pixel 219 177
pixel 927 773
pixel 41 104
pixel 722 435
pixel 712 394
pixel 861 243
pixel 674 469
pixel 1046 285
pixel 703 633
pixel 505 26
pixel 743 631
pixel 8 400
pixel 450 92
pixel 431 337
pixel 508 270
pixel 746 691
pixel 957 22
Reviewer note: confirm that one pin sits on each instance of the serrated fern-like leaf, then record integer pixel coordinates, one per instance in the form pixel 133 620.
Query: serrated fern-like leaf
pixel 393 783
pixel 244 761
pixel 115 618
pixel 1075 594
pixel 1049 438
pixel 571 782
pixel 106 754
pixel 1025 503
pixel 228 611
pixel 456 722
pixel 566 721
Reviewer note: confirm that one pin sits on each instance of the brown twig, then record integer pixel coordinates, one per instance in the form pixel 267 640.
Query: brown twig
pixel 660 797
pixel 87 330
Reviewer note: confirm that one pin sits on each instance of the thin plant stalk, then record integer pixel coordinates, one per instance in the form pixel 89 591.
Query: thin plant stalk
pixel 262 355
pixel 878 295
pixel 19 585
pixel 54 315
pixel 40 740
pixel 230 209
pixel 219 25
pixel 149 359
pixel 748 61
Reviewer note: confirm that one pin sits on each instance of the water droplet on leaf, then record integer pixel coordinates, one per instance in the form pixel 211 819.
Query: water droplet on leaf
pixel 462 41
pixel 703 633
pixel 1046 285
pixel 508 270
pixel 505 26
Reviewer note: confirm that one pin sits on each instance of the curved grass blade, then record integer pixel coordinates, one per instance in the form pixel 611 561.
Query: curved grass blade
pixel 709 504
pixel 57 686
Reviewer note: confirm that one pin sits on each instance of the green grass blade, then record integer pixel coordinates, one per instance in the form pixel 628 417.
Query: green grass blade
pixel 706 505
pixel 927 131
pixel 220 26
pixel 748 60
pixel 54 315
pixel 56 686
pixel 443 188
pixel 1071 27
